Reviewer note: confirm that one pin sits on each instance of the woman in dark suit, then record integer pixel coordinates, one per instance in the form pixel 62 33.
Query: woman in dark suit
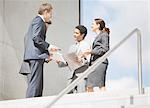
pixel 99 48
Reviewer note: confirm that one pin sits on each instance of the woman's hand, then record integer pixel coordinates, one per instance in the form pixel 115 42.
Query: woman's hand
pixel 87 52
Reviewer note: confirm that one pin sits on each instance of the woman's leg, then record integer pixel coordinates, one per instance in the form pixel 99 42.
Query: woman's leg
pixel 102 88
pixel 89 89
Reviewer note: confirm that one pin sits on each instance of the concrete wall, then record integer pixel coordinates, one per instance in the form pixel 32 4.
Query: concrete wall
pixel 1 34
pixel 17 16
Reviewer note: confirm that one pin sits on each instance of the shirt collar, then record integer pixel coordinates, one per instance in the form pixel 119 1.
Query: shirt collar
pixel 79 43
pixel 82 41
pixel 41 17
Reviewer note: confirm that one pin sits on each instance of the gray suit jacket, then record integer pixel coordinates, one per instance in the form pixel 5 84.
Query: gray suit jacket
pixel 25 68
pixel 35 45
pixel 100 47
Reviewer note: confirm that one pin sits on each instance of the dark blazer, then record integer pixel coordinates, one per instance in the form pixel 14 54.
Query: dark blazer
pixel 35 45
pixel 100 47
pixel 25 68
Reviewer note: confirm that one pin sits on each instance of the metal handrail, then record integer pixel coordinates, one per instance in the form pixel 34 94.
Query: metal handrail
pixel 100 60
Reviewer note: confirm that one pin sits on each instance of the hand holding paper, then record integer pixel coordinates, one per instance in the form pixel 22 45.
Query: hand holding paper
pixel 53 48
pixel 87 52
pixel 57 56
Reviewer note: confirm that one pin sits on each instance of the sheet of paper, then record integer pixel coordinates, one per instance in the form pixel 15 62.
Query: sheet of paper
pixel 70 58
pixel 72 61
pixel 57 56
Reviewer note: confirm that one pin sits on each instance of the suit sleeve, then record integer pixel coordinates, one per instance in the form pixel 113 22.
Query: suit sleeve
pixel 62 64
pixel 101 47
pixel 37 32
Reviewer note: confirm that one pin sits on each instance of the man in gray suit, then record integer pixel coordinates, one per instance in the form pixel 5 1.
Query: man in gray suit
pixel 37 50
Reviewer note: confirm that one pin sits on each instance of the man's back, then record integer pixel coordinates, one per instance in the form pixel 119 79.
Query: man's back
pixel 35 45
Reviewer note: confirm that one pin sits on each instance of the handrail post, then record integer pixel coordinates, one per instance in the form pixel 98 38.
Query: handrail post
pixel 139 58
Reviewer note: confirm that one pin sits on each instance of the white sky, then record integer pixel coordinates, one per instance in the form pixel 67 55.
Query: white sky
pixel 122 17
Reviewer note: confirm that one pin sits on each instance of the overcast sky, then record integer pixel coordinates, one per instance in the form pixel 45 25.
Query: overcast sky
pixel 122 16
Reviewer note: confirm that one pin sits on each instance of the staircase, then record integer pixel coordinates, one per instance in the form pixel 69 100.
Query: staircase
pixel 108 99
pixel 133 98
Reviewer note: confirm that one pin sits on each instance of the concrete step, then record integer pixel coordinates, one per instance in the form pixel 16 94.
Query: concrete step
pixel 137 106
pixel 109 99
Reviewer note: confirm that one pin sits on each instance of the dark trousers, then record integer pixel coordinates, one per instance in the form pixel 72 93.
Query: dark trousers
pixel 72 79
pixel 35 79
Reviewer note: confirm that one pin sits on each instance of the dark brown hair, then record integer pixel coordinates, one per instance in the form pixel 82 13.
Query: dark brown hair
pixel 82 29
pixel 45 7
pixel 102 25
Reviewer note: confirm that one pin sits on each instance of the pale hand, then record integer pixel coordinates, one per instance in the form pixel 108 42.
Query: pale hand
pixel 87 52
pixel 53 48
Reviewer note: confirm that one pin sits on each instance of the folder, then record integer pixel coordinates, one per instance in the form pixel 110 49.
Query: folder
pixel 74 65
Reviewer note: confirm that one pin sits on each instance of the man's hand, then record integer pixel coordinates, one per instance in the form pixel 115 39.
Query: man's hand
pixel 48 59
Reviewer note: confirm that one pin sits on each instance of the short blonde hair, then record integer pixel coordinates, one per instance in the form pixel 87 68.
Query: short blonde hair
pixel 45 7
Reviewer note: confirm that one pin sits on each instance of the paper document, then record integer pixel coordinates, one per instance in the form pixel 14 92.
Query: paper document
pixel 57 56
pixel 71 59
